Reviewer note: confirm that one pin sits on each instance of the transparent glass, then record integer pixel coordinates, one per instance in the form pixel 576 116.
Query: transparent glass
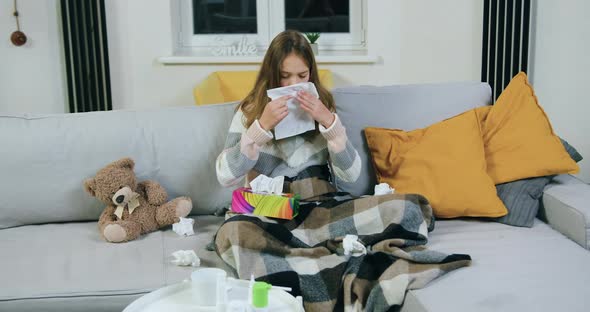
pixel 325 16
pixel 224 17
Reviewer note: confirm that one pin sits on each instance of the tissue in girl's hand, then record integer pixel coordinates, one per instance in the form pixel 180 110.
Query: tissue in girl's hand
pixel 297 121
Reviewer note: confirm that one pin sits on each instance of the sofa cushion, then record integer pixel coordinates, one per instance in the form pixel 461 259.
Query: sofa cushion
pixel 405 107
pixel 513 269
pixel 522 197
pixel 56 267
pixel 519 139
pixel 565 207
pixel 45 158
pixel 444 162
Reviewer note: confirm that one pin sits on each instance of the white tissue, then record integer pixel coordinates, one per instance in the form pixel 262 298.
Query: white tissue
pixel 184 227
pixel 264 184
pixel 352 247
pixel 297 121
pixel 383 188
pixel 186 257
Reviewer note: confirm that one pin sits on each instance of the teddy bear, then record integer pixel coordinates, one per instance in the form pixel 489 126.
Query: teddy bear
pixel 132 208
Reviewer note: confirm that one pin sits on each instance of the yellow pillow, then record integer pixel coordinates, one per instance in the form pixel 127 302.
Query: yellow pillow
pixel 444 162
pixel 235 85
pixel 518 137
pixel 228 86
pixel 482 114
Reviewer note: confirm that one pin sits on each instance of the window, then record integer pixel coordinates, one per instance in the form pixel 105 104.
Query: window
pixel 205 24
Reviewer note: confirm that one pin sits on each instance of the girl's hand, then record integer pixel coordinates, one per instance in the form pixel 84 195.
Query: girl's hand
pixel 274 112
pixel 315 108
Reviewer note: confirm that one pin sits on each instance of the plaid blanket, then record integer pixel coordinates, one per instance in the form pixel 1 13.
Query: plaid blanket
pixel 306 253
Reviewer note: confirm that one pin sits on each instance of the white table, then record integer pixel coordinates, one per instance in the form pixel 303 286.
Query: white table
pixel 180 297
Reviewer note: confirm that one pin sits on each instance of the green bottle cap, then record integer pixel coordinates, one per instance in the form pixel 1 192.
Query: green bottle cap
pixel 260 294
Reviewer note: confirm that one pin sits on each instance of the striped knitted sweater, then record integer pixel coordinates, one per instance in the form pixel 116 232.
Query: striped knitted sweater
pixel 253 151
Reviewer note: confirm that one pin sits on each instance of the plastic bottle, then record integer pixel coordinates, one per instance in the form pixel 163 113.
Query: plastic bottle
pixel 260 296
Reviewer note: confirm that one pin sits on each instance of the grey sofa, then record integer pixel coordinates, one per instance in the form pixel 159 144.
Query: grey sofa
pixel 53 258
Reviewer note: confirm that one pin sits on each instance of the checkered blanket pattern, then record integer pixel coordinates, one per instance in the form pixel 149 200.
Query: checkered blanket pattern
pixel 306 253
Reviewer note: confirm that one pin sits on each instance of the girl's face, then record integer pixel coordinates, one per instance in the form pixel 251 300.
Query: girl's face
pixel 293 70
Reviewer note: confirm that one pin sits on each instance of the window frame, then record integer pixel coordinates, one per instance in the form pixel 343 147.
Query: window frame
pixel 269 25
pixel 354 40
pixel 188 40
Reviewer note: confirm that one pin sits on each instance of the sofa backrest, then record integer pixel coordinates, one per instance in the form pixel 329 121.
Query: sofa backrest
pixel 44 159
pixel 406 107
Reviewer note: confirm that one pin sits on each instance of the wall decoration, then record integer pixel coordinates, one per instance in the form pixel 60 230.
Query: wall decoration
pixel 241 48
pixel 18 38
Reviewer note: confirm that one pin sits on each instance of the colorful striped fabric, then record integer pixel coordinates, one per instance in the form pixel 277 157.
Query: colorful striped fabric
pixel 285 206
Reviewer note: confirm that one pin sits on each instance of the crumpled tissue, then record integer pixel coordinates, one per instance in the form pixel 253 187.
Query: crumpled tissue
pixel 184 227
pixel 352 247
pixel 298 120
pixel 264 184
pixel 185 258
pixel 383 188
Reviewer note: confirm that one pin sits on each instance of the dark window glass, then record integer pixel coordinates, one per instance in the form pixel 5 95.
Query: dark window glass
pixel 327 16
pixel 224 17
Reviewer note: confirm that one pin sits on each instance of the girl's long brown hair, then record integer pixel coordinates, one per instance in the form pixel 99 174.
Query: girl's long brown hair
pixel 269 76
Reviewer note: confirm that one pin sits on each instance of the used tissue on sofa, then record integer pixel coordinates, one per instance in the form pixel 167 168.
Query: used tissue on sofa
pixel 184 227
pixel 186 258
pixel 383 189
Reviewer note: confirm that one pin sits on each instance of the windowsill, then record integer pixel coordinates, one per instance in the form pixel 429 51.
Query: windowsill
pixel 324 57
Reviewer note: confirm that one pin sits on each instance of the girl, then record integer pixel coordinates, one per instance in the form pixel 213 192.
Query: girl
pixel 251 149
pixel 318 253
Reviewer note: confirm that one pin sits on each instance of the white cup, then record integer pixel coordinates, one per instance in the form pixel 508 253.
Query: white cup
pixel 208 287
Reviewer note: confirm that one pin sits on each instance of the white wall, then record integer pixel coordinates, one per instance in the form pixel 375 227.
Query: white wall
pixel 417 41
pixel 561 70
pixel 440 40
pixel 32 76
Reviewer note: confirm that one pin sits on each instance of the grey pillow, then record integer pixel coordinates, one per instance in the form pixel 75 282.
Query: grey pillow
pixel 572 151
pixel 522 197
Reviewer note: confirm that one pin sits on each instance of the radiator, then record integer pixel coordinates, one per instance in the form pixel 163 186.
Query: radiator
pixel 86 55
pixel 505 46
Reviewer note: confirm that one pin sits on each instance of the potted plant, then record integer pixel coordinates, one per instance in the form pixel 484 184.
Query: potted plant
pixel 313 37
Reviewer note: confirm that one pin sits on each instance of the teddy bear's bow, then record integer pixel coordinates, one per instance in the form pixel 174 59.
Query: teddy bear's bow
pixel 132 203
